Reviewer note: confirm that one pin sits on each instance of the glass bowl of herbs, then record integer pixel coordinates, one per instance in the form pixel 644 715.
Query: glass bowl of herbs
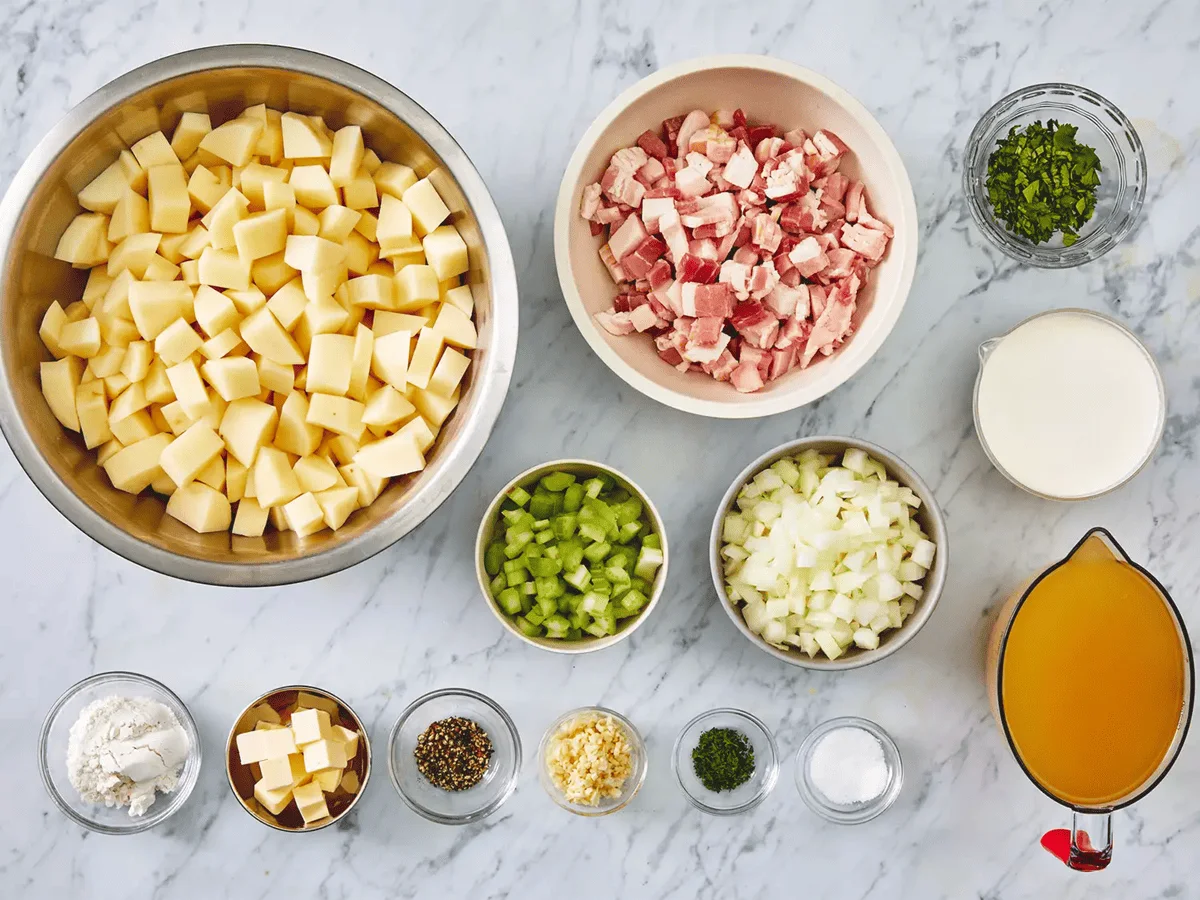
pixel 454 756
pixel 726 761
pixel 1055 175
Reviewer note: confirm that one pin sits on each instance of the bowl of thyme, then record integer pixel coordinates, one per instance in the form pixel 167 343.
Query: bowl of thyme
pixel 1055 175
pixel 726 761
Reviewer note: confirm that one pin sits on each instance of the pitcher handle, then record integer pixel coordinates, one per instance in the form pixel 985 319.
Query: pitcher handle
pixel 1087 846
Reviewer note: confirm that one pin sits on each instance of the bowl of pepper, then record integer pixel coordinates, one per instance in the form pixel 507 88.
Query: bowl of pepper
pixel 726 761
pixel 1055 175
pixel 454 756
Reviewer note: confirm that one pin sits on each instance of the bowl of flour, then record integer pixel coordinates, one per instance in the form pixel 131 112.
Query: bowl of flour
pixel 119 753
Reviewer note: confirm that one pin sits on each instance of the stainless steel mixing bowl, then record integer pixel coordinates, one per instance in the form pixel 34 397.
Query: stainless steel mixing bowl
pixel 41 201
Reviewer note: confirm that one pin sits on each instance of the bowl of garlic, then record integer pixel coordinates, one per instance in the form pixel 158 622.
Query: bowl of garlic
pixel 259 315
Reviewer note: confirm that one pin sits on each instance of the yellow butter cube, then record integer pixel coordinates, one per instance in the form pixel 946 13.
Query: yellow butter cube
pixel 281 771
pixel 265 712
pixel 325 753
pixel 310 725
pixel 310 801
pixel 305 700
pixel 255 746
pixel 350 782
pixel 273 800
pixel 349 739
pixel 328 779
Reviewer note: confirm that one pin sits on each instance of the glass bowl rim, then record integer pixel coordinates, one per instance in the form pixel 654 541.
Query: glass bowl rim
pixel 771 770
pixel 870 809
pixel 510 779
pixel 177 798
pixel 632 784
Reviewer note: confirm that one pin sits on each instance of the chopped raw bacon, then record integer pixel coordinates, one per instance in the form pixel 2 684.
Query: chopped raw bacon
pixel 740 252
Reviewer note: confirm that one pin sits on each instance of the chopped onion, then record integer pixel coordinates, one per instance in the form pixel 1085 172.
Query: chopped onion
pixel 821 556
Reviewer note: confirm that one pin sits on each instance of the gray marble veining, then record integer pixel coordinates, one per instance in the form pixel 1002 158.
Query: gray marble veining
pixel 517 83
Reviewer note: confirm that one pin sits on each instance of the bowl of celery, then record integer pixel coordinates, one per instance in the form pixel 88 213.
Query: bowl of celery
pixel 571 556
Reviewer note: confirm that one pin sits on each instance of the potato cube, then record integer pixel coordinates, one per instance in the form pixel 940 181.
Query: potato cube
pixel 338 414
pixel 227 343
pixel 131 215
pixel 251 519
pixel 235 479
pixel 248 300
pixel 367 225
pixel 287 304
pixel 371 161
pixel 271 273
pixel 301 140
pixel 156 304
pixel 200 507
pixel 132 468
pixel 360 253
pixel 305 222
pixel 449 372
pixel 51 327
pixel 228 211
pixel 103 192
pixel 456 327
pixel 310 801
pixel 323 316
pixel 446 252
pixel 336 505
pixel 234 141
pixel 389 357
pixel 309 725
pixel 304 515
pixel 107 362
pixel 134 428
pixel 233 377
pixel 177 420
pixel 161 269
pixel 360 362
pixel 346 154
pixel 132 399
pixel 190 131
pixel 319 284
pixel 425 204
pixel 97 286
pixel 312 187
pixel 325 753
pixel 154 150
pixel 189 389
pixel 461 298
pixel 177 342
pixel 372 292
pixel 393 179
pixel 360 192
pixel 274 481
pixel 80 338
pixel 337 223
pixel 106 451
pixel 254 179
pixel 369 486
pixel 261 234
pixel 420 431
pixel 205 188
pixel 315 473
pixel 213 474
pixel 394 455
pixel 135 175
pixel 133 253
pixel 214 311
pixel 135 364
pixel 294 434
pixel 278 195
pixel 190 453
pixel 387 406
pixel 168 249
pixel 224 269
pixel 246 426
pixel 394 229
pixel 330 361
pixel 194 244
pixel 275 377
pixel 262 331
pixel 433 407
pixel 91 405
pixel 281 771
pixel 83 241
pixel 309 253
pixel 170 205
pixel 157 385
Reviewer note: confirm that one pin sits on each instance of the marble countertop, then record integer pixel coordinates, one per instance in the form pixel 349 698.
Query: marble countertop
pixel 517 83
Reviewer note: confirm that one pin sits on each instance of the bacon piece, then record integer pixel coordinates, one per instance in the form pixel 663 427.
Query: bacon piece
pixel 714 143
pixel 660 275
pixel 782 361
pixel 715 209
pixel 691 182
pixel 615 323
pixel 653 209
pixel 768 148
pixel 642 317
pixel 702 353
pixel 793 332
pixel 652 144
pixel 705 249
pixel 627 237
pixel 749 199
pixel 672 232
pixel 722 367
pixel 834 323
pixel 765 233
pixel 853 201
pixel 865 218
pixel 671 356
pixel 712 300
pixel 762 280
pixel 741 168
pixel 747 256
pixel 786 301
pixel 783 184
pixel 755 324
pixel 796 137
pixel 589 203
pixel 692 122
pixel 651 172
pixel 610 263
pixel 705 331
pixel 808 257
pixel 694 268
pixel 736 274
pixel 866 242
pixel 699 162
pixel 841 263
pixel 834 186
pixel 642 259
pixel 745 379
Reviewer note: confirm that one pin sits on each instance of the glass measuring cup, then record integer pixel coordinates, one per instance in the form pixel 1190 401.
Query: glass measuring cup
pixel 1087 846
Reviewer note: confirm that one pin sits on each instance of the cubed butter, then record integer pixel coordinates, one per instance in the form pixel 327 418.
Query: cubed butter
pixel 324 754
pixel 310 801
pixel 255 746
pixel 273 800
pixel 310 725
pixel 349 739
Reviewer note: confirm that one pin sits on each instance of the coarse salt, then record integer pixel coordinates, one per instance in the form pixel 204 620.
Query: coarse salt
pixel 848 766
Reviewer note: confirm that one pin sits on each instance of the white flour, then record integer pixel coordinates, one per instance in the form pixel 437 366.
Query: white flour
pixel 123 750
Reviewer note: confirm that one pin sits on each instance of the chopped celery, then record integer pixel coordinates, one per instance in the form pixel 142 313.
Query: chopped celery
pixel 544 537
pixel 571 554
pixel 551 551
pixel 493 557
pixel 558 481
pixel 548 606
pixel 564 526
pixel 535 616
pixel 622 557
pixel 528 627
pixel 596 552
pixel 516 577
pixel 629 511
pixel 542 505
pixel 573 498
pixel 616 575
pixel 519 496
pixel 549 586
pixel 528 589
pixel 639 584
pixel 594 486
pixel 499 583
pixel 648 562
pixel 593 531
pixel 514 547
pixel 652 540
pixel 509 600
pixel 629 531
pixel 556 627
pixel 632 601
pixel 543 568
pixel 531 551
pixel 579 578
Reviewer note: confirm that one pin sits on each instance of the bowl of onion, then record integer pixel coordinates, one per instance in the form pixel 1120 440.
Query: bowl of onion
pixel 829 552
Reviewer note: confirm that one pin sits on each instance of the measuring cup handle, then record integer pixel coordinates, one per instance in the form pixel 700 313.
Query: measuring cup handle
pixel 1087 846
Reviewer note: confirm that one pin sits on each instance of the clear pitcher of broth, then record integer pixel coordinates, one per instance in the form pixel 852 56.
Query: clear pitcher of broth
pixel 1091 680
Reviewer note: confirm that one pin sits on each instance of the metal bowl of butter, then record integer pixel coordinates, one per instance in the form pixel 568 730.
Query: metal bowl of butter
pixel 41 202
pixel 325 782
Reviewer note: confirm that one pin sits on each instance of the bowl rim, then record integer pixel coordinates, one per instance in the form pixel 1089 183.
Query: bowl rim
pixel 872 808
pixel 747 406
pixel 363 737
pixel 975 156
pixel 637 778
pixel 589 644
pixel 935 579
pixel 770 778
pixel 510 782
pixel 178 797
pixel 495 372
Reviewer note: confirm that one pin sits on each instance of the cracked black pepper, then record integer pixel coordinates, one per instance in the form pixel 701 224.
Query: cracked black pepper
pixel 453 754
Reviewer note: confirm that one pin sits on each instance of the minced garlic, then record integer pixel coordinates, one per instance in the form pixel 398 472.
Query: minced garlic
pixel 589 759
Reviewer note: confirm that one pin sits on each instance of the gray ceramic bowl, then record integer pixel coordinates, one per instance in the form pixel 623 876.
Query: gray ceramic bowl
pixel 929 516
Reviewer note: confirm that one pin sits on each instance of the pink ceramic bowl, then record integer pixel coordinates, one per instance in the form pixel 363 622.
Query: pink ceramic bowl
pixel 769 90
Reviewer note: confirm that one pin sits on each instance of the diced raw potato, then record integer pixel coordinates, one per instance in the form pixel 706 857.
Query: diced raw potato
pixel 81 338
pixel 277 195
pixel 254 178
pixel 420 431
pixel 154 150
pixel 205 189
pixel 330 360
pixel 131 400
pixel 387 406
pixel 315 473
pixel 247 301
pixel 91 406
pixel 103 192
pixel 304 515
pixel 305 222
pixel 312 254
pixel 189 453
pixel 394 229
pixel 294 434
pixel 372 292
pixel 228 211
pixel 391 456
pixel 246 426
pixel 446 252
pixel 170 205
pixel 313 187
pixel 433 407
pixel 234 141
pixel 391 178
pixel 262 331
pixel 336 506
pixel 425 357
pixel 416 287
pixel 200 507
pixel 449 372
pixel 177 342
pixel 188 389
pixel 386 322
pixel 214 311
pixel 224 269
pixel 361 253
pixel 346 155
pixel 428 210
pixel 337 223
pixel 389 358
pixel 251 521
pixel 455 327
pixel 274 481
pixel 51 327
pixel 131 215
pixel 190 131
pixel 301 140
pixel 360 192
pixel 83 241
pixel 133 467
pixel 321 284
pixel 134 428
pixel 462 298
pixel 261 234
pixel 233 378
pixel 360 363
pixel 338 414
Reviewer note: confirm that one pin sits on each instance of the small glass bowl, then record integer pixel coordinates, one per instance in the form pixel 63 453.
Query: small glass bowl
pixel 52 753
pixel 852 813
pixel 744 797
pixel 632 784
pixel 1101 126
pixel 454 807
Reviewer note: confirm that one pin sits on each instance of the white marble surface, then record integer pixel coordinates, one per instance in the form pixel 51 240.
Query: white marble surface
pixel 517 83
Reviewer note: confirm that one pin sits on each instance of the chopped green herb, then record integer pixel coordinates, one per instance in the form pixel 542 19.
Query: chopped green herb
pixel 1041 181
pixel 723 759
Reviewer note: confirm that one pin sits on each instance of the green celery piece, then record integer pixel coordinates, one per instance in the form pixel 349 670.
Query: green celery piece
pixel 629 531
pixel 593 604
pixel 519 496
pixel 629 511
pixel 578 578
pixel 535 616
pixel 603 511
pixel 540 524
pixel 513 565
pixel 608 619
pixel 558 481
pixel 633 601
pixel 622 558
pixel 548 606
pixel 556 627
pixel 528 627
pixel 574 634
pixel 573 498
pixel 532 551
pixel 616 575
pixel 516 578
pixel 597 551
pixel 579 619
pixel 648 562
pixel 652 540
pixel 544 537
pixel 514 548
pixel 571 554
pixel 564 526
pixel 617 495
pixel 592 487
pixel 639 584
pixel 509 600
pixel 528 589
pixel 596 629
pixel 493 557
pixel 600 585
pixel 551 551
pixel 593 531
pixel 499 583
pixel 543 568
